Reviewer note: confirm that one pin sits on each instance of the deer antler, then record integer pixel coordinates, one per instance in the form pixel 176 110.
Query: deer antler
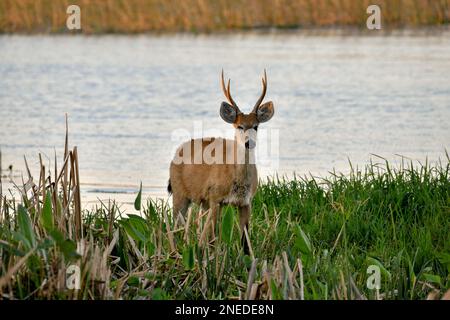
pixel 226 92
pixel 261 98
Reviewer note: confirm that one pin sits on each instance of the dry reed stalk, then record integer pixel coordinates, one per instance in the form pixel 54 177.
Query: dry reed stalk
pixel 251 279
pixel 290 277
pixel 302 285
pixel 111 219
pixel 206 226
pixel 355 290
pixel 62 173
pixel 105 271
pixel 67 208
pixel 169 233
pixel 247 238
pixel 78 219
pixel 55 187
pixel 64 168
pixel 186 226
pixel 6 212
pixel 204 279
pixel 343 285
pixel 253 291
pixel 221 270
pixel 136 251
pixel 41 187
pixel 265 283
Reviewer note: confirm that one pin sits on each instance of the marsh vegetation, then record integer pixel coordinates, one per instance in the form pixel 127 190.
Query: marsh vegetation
pixel 310 238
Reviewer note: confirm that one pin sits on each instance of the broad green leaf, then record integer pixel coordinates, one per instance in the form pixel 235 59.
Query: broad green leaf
pixel 18 236
pixel 135 234
pixel 432 278
pixel 67 247
pixel 139 224
pixel 302 242
pixel 137 202
pixel 444 258
pixel 47 216
pixel 384 271
pixel 188 257
pixel 227 226
pixel 25 227
pixel 135 217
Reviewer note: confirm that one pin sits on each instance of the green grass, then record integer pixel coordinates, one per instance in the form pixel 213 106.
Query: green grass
pixel 311 238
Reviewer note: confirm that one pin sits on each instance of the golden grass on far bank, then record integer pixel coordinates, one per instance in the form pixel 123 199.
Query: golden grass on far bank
pixel 135 16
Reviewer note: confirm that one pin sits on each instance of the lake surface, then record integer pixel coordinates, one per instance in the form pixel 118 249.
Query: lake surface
pixel 127 97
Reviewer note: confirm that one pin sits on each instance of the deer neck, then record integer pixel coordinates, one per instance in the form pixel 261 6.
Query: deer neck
pixel 245 164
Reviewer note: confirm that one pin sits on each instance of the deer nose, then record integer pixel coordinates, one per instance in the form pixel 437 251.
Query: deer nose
pixel 250 144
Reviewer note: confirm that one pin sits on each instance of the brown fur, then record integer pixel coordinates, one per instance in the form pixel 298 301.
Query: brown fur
pixel 213 185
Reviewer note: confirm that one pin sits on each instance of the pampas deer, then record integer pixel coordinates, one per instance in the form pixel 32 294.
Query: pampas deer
pixel 213 172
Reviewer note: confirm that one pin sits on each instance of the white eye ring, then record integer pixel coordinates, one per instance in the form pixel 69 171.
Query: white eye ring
pixel 240 128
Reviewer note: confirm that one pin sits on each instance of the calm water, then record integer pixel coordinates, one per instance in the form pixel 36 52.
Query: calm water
pixel 335 98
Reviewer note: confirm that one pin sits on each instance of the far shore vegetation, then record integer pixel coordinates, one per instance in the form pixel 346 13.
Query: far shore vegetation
pixel 203 16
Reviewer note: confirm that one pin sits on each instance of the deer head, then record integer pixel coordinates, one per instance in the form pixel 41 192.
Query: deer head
pixel 246 125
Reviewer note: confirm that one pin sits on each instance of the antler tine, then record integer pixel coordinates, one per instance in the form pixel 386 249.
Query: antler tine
pixel 226 91
pixel 223 86
pixel 263 94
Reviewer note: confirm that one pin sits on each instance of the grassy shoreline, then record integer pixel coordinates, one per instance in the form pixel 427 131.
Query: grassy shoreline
pixel 204 16
pixel 311 238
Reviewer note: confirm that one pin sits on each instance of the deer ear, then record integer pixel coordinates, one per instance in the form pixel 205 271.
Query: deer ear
pixel 265 112
pixel 228 112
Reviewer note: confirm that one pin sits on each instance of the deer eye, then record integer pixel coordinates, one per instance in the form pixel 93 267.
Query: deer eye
pixel 255 128
pixel 240 127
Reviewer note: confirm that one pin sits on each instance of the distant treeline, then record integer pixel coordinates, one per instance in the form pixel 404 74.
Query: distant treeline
pixel 134 16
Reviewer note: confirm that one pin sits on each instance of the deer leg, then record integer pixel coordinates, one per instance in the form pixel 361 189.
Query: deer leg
pixel 180 205
pixel 244 218
pixel 204 205
pixel 215 208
